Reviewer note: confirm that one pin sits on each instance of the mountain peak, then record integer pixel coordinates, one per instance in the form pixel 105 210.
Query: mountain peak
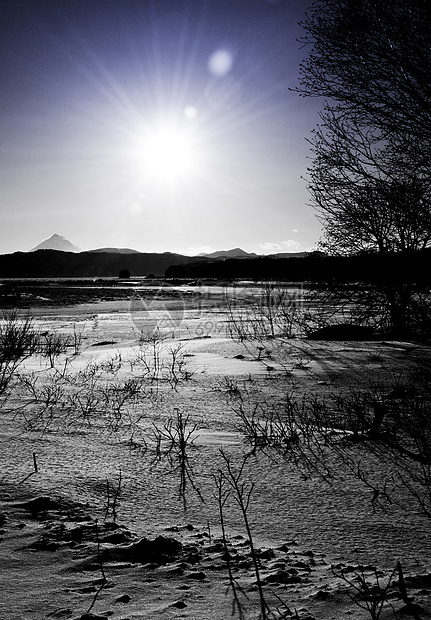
pixel 56 242
pixel 235 253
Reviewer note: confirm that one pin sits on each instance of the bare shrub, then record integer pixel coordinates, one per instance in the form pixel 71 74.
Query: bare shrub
pixel 17 343
pixel 120 399
pixel 369 592
pixel 230 483
pixel 113 492
pixel 159 362
pixel 263 429
pixel 52 345
pixel 241 492
pixel 175 367
pixel 113 363
pixel 271 311
pixel 103 579
pixel 238 592
pixel 385 425
pixel 77 338
pixel 173 442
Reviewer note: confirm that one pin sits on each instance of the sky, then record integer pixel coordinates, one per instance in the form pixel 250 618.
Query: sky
pixel 157 125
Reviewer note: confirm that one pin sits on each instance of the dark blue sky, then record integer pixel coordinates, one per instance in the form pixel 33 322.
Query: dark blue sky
pixel 89 90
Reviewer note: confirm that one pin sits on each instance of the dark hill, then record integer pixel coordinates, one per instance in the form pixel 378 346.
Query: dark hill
pixel 116 250
pixel 235 253
pixel 58 264
pixel 408 267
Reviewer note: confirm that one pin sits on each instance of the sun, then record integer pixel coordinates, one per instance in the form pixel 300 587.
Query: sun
pixel 168 154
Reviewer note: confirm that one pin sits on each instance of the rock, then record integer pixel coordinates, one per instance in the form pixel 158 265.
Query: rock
pixel 179 604
pixel 418 581
pixel 303 565
pixel 76 533
pixel 193 556
pixel 124 274
pixel 177 570
pixel 159 551
pixel 124 598
pixel 40 504
pixel 411 610
pixel 342 331
pixel 282 576
pixel 111 525
pixel 198 575
pixel 353 569
pixel 265 554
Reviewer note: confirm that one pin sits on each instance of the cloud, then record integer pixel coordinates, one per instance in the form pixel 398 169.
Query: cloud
pixel 291 245
pixel 195 251
pixel 284 246
pixel 270 247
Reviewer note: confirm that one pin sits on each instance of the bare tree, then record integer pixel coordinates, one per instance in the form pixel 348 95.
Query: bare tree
pixel 370 60
pixel 366 200
pixel 370 179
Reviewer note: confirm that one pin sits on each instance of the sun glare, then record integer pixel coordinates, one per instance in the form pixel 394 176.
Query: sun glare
pixel 168 155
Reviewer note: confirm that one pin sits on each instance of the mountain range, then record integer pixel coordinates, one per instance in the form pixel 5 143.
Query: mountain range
pixel 61 264
pixel 57 257
pixel 226 265
pixel 58 242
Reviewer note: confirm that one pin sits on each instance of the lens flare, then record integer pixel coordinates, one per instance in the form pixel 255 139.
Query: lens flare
pixel 220 63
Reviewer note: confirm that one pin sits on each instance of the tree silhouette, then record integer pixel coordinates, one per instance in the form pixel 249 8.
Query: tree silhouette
pixel 370 177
